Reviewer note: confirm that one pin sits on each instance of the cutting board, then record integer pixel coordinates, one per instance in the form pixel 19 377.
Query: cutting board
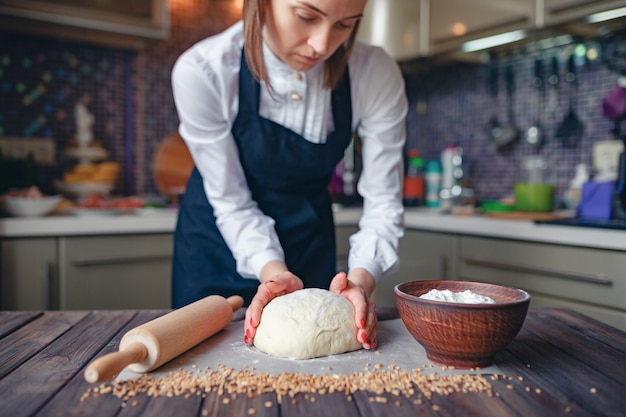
pixel 171 166
pixel 526 215
pixel 396 347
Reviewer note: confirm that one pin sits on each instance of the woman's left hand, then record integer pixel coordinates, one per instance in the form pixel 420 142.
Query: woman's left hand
pixel 364 308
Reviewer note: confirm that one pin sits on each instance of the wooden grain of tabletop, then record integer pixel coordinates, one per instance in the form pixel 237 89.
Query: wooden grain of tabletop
pixel 561 364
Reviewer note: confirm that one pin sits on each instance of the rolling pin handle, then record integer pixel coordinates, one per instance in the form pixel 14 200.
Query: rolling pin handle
pixel 108 366
pixel 235 301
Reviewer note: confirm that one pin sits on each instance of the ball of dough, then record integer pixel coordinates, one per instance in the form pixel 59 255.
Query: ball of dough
pixel 306 324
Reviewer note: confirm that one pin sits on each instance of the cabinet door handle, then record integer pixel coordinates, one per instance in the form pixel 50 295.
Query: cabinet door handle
pixel 594 279
pixel 443 270
pixel 46 285
pixel 109 261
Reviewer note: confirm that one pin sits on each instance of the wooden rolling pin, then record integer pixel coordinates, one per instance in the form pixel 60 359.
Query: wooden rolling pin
pixel 150 345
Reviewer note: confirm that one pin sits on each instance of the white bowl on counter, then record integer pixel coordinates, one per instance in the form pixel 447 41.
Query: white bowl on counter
pixel 28 206
pixel 84 189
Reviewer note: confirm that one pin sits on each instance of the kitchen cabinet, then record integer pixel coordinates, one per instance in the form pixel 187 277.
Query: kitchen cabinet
pixel 411 28
pixel 125 271
pixel 564 11
pixel 342 242
pixel 112 23
pixel 423 256
pixel 490 17
pixel 591 281
pixel 453 22
pixel 124 261
pixel 28 274
pixel 115 272
pixel 408 29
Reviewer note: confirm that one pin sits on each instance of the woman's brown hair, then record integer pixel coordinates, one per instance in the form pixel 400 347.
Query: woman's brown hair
pixel 254 18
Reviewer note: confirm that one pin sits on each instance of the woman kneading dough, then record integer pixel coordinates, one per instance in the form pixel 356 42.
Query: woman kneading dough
pixel 267 109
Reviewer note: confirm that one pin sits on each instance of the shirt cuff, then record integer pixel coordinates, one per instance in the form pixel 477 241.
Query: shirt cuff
pixel 381 265
pixel 256 263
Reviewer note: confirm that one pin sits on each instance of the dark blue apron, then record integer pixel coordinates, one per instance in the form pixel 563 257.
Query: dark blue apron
pixel 288 177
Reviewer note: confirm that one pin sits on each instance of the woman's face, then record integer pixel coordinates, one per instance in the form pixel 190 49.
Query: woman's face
pixel 303 33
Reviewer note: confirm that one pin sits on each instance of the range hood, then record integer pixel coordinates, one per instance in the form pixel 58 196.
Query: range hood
pixel 400 27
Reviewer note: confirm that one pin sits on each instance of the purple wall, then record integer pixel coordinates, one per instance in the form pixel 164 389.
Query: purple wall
pixel 459 108
pixel 41 79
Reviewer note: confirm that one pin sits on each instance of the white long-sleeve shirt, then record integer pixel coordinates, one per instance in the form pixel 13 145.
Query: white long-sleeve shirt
pixel 205 84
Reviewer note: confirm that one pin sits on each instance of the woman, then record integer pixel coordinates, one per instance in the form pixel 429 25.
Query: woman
pixel 267 109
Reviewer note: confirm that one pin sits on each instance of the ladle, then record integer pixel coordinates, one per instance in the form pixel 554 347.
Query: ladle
pixel 571 128
pixel 534 135
pixel 494 127
pixel 552 107
pixel 506 135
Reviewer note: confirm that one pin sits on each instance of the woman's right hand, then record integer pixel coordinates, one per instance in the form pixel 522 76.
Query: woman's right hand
pixel 281 284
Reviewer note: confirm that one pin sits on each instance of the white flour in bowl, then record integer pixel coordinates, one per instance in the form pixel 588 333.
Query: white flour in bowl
pixel 466 297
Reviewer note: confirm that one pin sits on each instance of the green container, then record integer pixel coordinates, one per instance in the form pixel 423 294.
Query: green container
pixel 534 197
pixel 496 207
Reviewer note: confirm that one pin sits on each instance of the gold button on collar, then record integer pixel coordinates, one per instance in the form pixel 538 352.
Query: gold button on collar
pixel 297 75
pixel 296 96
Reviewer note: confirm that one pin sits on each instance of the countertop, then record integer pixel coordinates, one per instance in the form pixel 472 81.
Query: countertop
pixel 69 225
pixel 526 230
pixel 560 364
pixel 419 219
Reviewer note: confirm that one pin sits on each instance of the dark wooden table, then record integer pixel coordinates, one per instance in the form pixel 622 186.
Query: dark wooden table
pixel 561 364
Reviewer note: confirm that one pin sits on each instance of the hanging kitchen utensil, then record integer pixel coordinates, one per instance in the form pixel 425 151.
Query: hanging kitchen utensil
pixel 614 103
pixel 534 135
pixel 571 129
pixel 494 126
pixel 619 203
pixel 554 96
pixel 614 51
pixel 509 133
pixel 614 57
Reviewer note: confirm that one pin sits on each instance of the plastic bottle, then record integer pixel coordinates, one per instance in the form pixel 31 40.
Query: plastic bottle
pixel 414 186
pixel 433 182
pixel 447 164
pixel 574 192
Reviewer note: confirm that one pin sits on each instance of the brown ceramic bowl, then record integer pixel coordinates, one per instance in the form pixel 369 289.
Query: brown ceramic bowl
pixel 458 334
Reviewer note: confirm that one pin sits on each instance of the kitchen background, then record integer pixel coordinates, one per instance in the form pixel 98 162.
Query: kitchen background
pixel 42 78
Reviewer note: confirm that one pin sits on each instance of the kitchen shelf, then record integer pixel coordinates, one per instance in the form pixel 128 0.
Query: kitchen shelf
pixel 114 23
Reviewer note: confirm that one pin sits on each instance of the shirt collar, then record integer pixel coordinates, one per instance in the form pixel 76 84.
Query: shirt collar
pixel 277 68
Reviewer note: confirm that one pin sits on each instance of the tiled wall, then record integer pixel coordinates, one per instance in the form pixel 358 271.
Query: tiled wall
pixel 459 107
pixel 191 21
pixel 41 79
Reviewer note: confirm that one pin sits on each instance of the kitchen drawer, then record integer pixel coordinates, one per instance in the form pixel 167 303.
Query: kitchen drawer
pixel 342 241
pixel 423 256
pixel 28 270
pixel 342 238
pixel 116 272
pixel 615 318
pixel 427 255
pixel 592 276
